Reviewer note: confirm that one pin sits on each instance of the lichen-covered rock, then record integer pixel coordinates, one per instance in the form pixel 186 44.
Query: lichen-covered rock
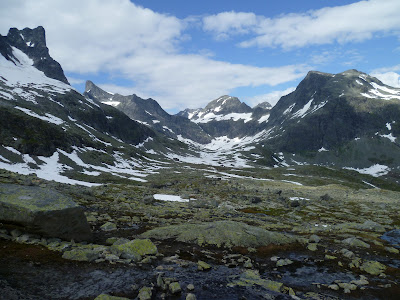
pixel 373 267
pixel 354 242
pixel 221 233
pixel 284 262
pixel 203 266
pixel 175 288
pixel 43 211
pixel 108 226
pixel 145 293
pixel 134 249
pixel 81 254
pixel 252 277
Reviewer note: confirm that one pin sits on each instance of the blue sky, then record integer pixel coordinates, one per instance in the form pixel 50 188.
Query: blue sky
pixel 187 53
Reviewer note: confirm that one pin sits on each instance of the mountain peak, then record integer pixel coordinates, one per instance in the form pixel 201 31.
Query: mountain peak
pixel 33 43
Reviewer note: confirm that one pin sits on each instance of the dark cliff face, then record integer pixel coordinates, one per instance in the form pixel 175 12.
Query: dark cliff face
pixel 33 43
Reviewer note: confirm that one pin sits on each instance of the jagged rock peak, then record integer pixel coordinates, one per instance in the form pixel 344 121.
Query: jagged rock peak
pixel 33 43
pixel 263 105
pixel 95 91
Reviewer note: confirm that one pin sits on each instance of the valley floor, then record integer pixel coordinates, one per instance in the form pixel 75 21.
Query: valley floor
pixel 203 232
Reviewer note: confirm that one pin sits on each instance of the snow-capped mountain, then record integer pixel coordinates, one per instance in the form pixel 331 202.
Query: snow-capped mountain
pixel 149 113
pixel 50 129
pixel 228 116
pixel 348 118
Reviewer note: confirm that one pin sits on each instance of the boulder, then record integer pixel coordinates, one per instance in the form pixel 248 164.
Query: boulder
pixel 221 233
pixel 134 249
pixel 43 211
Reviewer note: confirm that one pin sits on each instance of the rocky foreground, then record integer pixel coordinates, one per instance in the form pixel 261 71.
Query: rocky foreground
pixel 252 236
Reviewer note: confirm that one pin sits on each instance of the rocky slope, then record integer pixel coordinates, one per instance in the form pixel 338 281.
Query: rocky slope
pixel 50 129
pixel 349 119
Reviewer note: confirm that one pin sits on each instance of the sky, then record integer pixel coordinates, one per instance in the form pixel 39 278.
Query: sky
pixel 186 53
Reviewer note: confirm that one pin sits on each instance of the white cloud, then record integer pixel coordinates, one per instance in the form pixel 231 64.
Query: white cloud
pixel 389 78
pixel 129 41
pixel 227 23
pixel 349 23
pixel 272 98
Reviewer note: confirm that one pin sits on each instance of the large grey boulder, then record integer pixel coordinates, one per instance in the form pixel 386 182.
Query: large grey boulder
pixel 43 211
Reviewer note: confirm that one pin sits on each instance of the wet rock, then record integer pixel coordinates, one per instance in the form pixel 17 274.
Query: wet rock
pixel 81 255
pixel 134 249
pixel 373 267
pixel 354 242
pixel 284 262
pixel 43 211
pixel 203 266
pixel 175 288
pixel 221 233
pixel 252 277
pixel 327 256
pixel 108 226
pixel 145 293
pixel 108 297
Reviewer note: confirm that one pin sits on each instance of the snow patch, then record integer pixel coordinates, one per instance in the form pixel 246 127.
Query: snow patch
pixel 375 170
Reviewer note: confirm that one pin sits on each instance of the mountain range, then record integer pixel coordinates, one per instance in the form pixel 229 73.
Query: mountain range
pixel 348 120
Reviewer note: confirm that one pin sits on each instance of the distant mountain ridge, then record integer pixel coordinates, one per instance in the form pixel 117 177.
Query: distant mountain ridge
pixel 150 113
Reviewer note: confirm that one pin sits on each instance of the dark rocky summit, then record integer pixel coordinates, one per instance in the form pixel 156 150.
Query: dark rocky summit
pixel 33 43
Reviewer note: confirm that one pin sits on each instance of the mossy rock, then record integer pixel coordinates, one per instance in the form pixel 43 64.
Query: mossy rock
pixel 221 233
pixel 134 249
pixel 81 255
pixel 252 277
pixel 373 267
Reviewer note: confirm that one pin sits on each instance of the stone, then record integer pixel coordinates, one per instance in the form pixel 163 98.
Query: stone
pixel 347 253
pixel 392 250
pixel 284 262
pixel 108 297
pixel 81 254
pixel 145 293
pixel 372 226
pixel 43 211
pixel 327 256
pixel 334 287
pixel 134 249
pixel 373 267
pixel 190 287
pixel 175 287
pixel 312 246
pixel 314 238
pixel 108 226
pixel 252 277
pixel 347 286
pixel 221 233
pixel 362 281
pixel 203 266
pixel 354 242
pixel 191 296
